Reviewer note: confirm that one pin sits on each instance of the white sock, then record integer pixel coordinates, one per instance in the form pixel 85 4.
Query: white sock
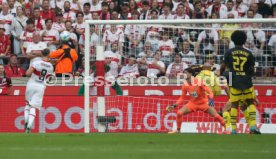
pixel 26 113
pixel 31 117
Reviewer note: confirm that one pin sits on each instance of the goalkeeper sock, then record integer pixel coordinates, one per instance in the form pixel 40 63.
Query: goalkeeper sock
pixel 26 113
pixel 220 119
pixel 252 115
pixel 31 117
pixel 233 114
pixel 246 116
pixel 227 119
pixel 179 120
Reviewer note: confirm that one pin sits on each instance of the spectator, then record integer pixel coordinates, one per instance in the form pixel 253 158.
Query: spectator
pixel 241 8
pixel 26 36
pixel 94 41
pixel 264 9
pixel 50 36
pixel 217 8
pixel 155 67
pixel 76 6
pixel 146 52
pixel 86 11
pixel 230 9
pixel 181 12
pixel 135 34
pixel 177 67
pixel 155 6
pixel 34 49
pixel 114 35
pixel 47 12
pixel 209 39
pixel 199 11
pixel 79 26
pixel 188 56
pixel 125 14
pixel 18 25
pixel 256 40
pixel 5 43
pixel 95 16
pixel 6 18
pixel 130 69
pixel 12 7
pixel 38 21
pixel 96 6
pixel 112 7
pixel 59 4
pixel 215 67
pixel 145 12
pixel 166 47
pixel 68 14
pixel 114 15
pixel 133 6
pixel 113 59
pixel 104 15
pixel 254 8
pixel 59 24
pixel 5 82
pixel 166 12
pixel 66 57
pixel 13 70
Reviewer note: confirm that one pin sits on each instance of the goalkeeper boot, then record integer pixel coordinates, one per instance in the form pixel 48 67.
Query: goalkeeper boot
pixel 174 132
pixel 254 130
pixel 234 132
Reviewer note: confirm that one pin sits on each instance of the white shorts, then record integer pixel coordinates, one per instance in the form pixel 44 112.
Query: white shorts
pixel 34 96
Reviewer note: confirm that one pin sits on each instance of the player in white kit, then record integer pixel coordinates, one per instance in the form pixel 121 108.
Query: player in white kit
pixel 38 71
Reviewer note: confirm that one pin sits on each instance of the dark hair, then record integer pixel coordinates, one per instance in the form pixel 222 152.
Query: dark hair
pixel 167 5
pixel 145 3
pixel 79 13
pixel 30 21
pixel 154 10
pixel 239 37
pixel 49 19
pixel 4 69
pixel 190 70
pixel 67 21
pixel 45 52
pixel 86 4
pixel 36 8
pixel 177 54
pixel 104 4
pixel 132 56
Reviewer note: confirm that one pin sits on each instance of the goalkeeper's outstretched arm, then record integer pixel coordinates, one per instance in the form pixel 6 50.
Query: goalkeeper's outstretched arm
pixel 179 101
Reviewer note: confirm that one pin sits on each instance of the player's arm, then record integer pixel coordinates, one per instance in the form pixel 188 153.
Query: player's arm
pixel 209 93
pixel 179 101
pixel 30 71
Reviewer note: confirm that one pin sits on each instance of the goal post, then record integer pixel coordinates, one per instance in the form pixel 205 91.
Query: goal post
pixel 100 50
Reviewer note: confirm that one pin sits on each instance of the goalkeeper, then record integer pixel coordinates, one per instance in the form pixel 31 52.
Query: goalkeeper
pixel 201 98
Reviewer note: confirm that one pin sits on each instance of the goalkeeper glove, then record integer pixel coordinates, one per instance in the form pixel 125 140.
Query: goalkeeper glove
pixel 211 102
pixel 170 107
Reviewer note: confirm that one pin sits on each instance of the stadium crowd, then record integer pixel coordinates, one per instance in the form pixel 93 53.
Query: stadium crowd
pixel 28 26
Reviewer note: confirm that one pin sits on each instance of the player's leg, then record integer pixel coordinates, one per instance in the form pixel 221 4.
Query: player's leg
pixel 212 111
pixel 249 98
pixel 226 115
pixel 35 103
pixel 235 96
pixel 182 111
pixel 26 114
pixel 245 110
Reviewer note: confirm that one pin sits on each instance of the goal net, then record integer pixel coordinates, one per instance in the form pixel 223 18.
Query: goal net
pixel 115 44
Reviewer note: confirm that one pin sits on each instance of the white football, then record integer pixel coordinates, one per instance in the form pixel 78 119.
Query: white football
pixel 65 36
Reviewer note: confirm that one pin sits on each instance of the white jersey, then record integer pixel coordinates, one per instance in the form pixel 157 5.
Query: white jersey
pixel 41 70
pixel 188 58
pixel 27 38
pixel 113 37
pixel 33 47
pixel 115 62
pixel 166 47
pixel 50 36
pixel 96 8
pixel 175 69
pixel 153 70
pixel 58 26
pixel 87 16
pixel 129 71
pixel 36 84
pixel 165 17
pixel 69 16
pixel 272 42
pixel 208 39
pixel 7 19
pixel 79 26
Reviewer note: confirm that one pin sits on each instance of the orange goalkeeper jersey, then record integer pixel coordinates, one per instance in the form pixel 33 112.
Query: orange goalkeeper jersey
pixel 198 91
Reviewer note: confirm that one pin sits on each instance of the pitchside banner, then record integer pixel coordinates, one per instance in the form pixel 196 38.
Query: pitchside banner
pixel 133 114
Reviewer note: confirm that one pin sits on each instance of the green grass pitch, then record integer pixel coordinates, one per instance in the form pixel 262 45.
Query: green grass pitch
pixel 136 145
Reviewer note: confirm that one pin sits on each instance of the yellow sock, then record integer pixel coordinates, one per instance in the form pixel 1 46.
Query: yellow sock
pixel 252 115
pixel 246 116
pixel 233 114
pixel 227 119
